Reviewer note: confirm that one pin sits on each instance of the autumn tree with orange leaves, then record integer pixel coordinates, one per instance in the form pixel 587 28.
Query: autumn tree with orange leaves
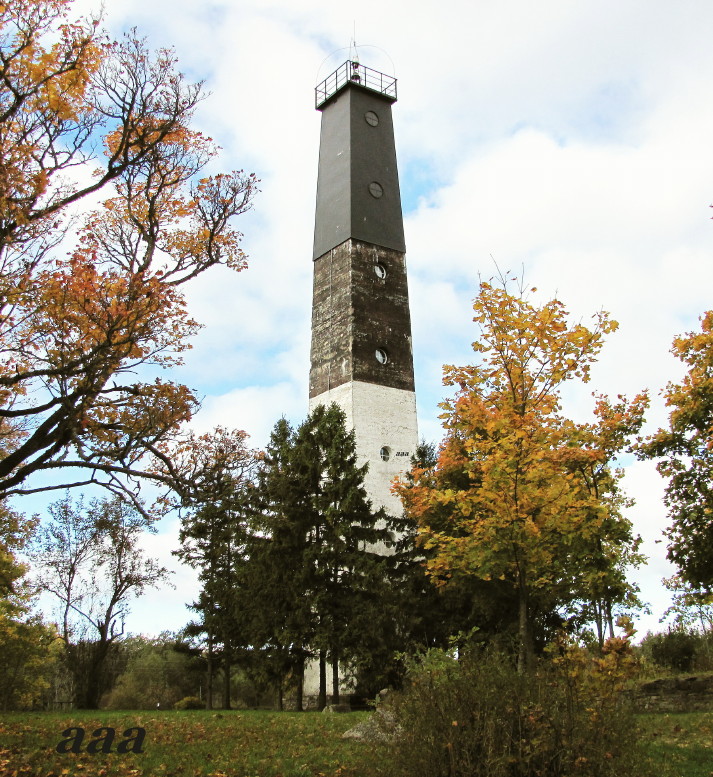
pixel 520 493
pixel 85 301
pixel 685 453
pixel 606 556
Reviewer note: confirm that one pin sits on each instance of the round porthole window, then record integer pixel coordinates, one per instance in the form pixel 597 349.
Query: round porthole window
pixel 381 356
pixel 385 453
pixel 371 118
pixel 380 271
pixel 376 189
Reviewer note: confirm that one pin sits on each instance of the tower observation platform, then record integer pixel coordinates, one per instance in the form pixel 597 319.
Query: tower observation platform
pixel 356 74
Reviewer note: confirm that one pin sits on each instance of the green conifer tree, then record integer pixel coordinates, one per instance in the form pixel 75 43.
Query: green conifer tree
pixel 214 537
pixel 323 548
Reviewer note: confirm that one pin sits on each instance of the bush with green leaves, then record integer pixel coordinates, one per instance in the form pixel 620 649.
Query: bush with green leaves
pixel 189 703
pixel 159 671
pixel 478 717
pixel 679 650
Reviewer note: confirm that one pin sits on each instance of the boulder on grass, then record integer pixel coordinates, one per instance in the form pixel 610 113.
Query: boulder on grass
pixel 337 708
pixel 380 726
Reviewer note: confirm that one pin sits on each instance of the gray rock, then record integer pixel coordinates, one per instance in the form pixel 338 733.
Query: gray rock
pixel 380 726
pixel 674 694
pixel 337 708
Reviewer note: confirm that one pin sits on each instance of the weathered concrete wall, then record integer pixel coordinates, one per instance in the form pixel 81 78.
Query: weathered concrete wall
pixel 360 304
pixel 675 694
pixel 381 417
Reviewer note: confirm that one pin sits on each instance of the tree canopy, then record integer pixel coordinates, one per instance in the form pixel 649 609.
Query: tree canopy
pixel 79 115
pixel 318 571
pixel 685 450
pixel 215 530
pixel 519 492
pixel 24 639
pixel 90 560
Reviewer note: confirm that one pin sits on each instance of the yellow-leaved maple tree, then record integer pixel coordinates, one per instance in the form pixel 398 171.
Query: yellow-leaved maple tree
pixel 520 493
pixel 79 114
pixel 685 450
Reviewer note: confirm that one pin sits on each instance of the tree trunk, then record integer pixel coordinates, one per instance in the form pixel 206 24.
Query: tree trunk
pixel 87 660
pixel 209 678
pixel 335 678
pixel 226 681
pixel 94 680
pixel 280 697
pixel 524 654
pixel 599 621
pixel 300 669
pixel 610 618
pixel 322 698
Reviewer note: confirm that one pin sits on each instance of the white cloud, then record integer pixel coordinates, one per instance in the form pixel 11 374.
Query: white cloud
pixel 254 409
pixel 165 608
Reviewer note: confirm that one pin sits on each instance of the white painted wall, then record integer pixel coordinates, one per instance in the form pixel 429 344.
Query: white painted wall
pixel 381 417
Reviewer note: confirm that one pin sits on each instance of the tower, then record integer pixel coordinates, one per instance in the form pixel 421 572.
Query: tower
pixel 361 356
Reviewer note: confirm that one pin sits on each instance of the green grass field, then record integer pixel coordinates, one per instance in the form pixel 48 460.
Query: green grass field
pixel 235 744
pixel 272 744
pixel 679 745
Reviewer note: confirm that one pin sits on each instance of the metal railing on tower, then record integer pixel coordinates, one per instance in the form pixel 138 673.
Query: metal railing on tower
pixel 356 73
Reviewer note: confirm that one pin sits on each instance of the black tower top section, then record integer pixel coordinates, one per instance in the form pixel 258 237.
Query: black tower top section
pixel 358 184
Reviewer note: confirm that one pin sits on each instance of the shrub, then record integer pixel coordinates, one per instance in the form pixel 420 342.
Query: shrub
pixel 477 717
pixel 189 703
pixel 159 671
pixel 674 650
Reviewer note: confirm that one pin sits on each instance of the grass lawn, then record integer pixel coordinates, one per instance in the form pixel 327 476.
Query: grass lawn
pixel 679 745
pixel 274 744
pixel 231 744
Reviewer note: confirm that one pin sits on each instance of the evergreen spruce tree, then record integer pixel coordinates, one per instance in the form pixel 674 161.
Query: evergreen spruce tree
pixel 322 556
pixel 214 538
pixel 278 580
pixel 349 544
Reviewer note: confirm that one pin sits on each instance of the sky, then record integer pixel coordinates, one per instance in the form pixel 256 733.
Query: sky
pixel 567 141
